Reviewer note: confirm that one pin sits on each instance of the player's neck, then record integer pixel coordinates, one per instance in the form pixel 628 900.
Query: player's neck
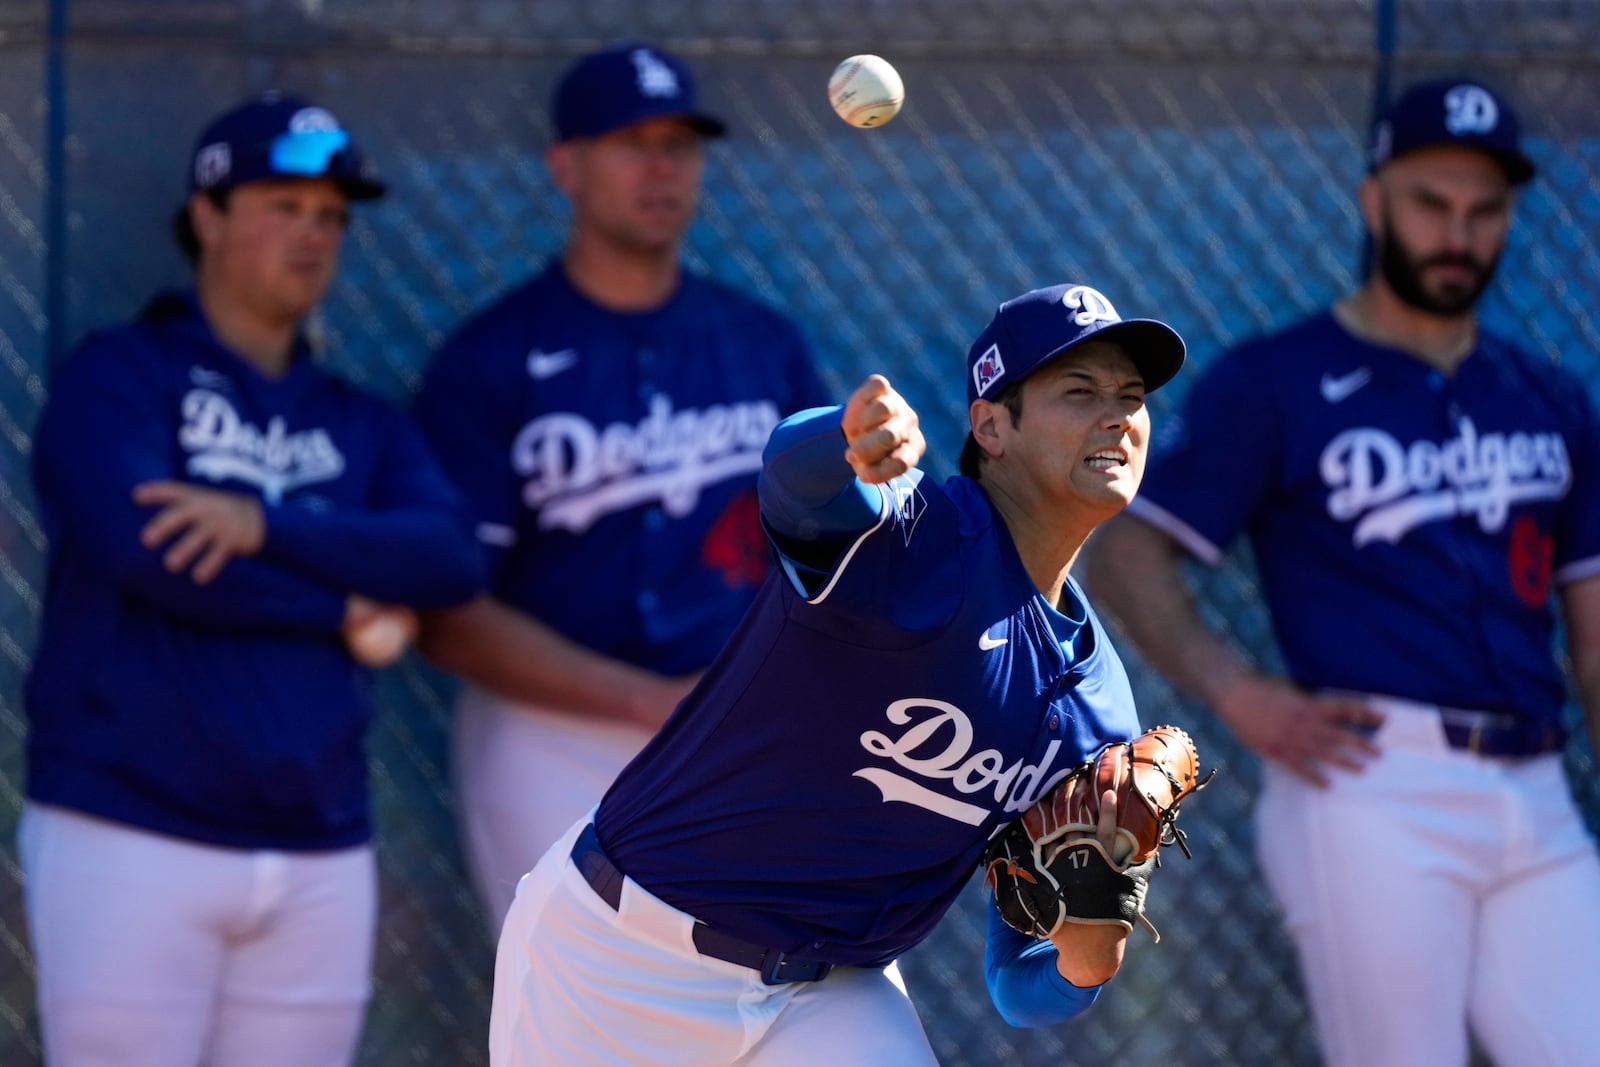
pixel 1047 542
pixel 265 342
pixel 1374 313
pixel 622 280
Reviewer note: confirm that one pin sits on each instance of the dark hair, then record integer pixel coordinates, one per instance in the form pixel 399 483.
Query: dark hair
pixel 971 462
pixel 183 226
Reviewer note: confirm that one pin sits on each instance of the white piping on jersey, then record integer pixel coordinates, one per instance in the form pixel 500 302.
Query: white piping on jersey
pixel 1175 528
pixel 1577 570
pixel 884 511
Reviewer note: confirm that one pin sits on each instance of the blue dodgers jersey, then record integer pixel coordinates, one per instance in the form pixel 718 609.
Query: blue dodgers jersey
pixel 830 785
pixel 611 458
pixel 228 713
pixel 1407 526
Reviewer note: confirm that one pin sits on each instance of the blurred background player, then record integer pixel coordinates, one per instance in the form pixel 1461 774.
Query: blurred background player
pixel 222 515
pixel 923 668
pixel 606 421
pixel 1414 488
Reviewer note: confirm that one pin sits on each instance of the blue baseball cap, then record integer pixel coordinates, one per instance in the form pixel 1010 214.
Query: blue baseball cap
pixel 1451 111
pixel 1030 330
pixel 278 135
pixel 622 85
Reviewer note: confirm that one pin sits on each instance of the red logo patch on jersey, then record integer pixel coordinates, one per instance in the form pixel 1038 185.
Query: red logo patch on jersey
pixel 736 545
pixel 1529 562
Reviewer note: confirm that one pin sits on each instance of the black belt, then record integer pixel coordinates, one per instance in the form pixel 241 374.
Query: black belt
pixel 1489 734
pixel 776 967
pixel 1486 733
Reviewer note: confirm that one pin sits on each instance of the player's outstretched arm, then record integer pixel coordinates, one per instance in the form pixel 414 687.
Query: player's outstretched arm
pixel 518 656
pixel 1580 607
pixel 882 430
pixel 1133 572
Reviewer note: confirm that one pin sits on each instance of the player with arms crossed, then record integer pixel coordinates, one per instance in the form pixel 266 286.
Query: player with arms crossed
pixel 224 516
pixel 921 670
pixel 606 420
pixel 1413 488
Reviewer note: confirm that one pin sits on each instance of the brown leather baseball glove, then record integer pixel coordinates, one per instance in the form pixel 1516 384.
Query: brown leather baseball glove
pixel 1051 866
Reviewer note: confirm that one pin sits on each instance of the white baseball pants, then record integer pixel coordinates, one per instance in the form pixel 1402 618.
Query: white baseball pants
pixel 153 951
pixel 1435 891
pixel 581 985
pixel 523 774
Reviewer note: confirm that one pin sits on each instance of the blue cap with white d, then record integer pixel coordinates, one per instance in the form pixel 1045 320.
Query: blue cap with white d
pixel 622 85
pixel 1030 330
pixel 1455 111
pixel 277 136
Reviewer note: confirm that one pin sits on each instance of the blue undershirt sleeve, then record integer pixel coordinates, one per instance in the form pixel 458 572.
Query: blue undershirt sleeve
pixel 808 491
pixel 1023 981
pixel 412 546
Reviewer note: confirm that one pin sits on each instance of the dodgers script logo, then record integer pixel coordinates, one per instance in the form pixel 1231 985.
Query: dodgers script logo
pixel 1390 489
pixel 223 446
pixel 936 746
pixel 578 472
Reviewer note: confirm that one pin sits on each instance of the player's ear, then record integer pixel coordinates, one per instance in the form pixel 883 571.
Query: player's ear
pixel 560 160
pixel 1369 196
pixel 206 219
pixel 985 418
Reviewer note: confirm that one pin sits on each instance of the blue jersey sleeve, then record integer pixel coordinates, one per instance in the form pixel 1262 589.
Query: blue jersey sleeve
pixel 101 435
pixel 1214 460
pixel 1023 981
pixel 412 545
pixel 470 409
pixel 1577 535
pixel 807 488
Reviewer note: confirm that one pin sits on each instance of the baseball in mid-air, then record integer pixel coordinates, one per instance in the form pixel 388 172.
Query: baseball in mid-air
pixel 866 91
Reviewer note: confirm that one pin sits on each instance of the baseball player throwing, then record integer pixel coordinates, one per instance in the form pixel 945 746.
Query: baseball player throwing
pixel 1414 488
pixel 919 671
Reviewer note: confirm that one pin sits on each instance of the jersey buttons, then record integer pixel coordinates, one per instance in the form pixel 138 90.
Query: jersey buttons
pixel 1053 722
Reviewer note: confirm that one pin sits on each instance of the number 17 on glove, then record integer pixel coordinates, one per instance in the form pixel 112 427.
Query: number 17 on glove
pixel 1085 851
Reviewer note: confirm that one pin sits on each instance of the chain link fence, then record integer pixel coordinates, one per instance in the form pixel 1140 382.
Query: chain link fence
pixel 1195 161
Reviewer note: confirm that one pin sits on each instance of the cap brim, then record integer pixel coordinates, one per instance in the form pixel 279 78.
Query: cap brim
pixel 703 124
pixel 1518 167
pixel 362 188
pixel 1155 348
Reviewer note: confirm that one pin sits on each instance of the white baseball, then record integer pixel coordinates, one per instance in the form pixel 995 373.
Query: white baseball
pixel 381 639
pixel 866 91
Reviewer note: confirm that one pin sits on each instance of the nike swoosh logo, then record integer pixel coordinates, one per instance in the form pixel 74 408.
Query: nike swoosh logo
pixel 1340 388
pixel 986 643
pixel 542 364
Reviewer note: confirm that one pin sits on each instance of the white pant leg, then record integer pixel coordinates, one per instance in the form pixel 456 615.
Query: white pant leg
pixel 1538 961
pixel 121 926
pixel 298 978
pixel 1378 877
pixel 856 1017
pixel 580 985
pixel 523 775
pixel 139 938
